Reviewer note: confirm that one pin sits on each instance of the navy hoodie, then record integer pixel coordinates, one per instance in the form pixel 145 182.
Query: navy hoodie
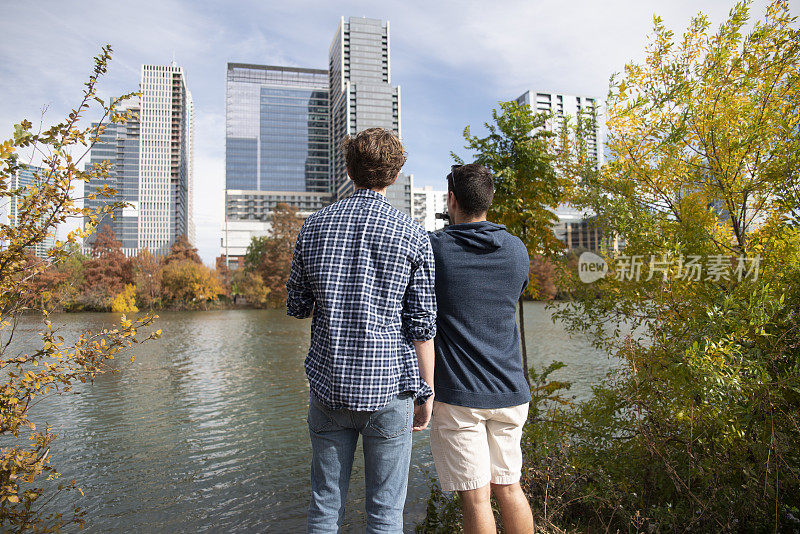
pixel 481 271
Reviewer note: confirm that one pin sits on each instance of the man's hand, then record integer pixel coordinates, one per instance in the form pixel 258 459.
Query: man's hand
pixel 425 357
pixel 422 415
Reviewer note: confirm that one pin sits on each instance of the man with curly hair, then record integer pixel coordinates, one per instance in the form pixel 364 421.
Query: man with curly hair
pixel 366 272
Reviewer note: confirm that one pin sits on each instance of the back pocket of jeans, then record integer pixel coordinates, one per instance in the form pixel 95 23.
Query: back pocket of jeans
pixel 391 420
pixel 319 420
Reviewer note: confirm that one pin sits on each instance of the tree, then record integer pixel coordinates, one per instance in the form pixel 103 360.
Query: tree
pixel 181 250
pixel 271 256
pixel 224 274
pixel 699 427
pixel 250 285
pixel 520 152
pixel 55 365
pixel 107 272
pixel 542 278
pixel 147 279
pixel 125 301
pixel 189 284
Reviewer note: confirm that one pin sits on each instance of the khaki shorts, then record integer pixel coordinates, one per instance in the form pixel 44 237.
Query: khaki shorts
pixel 472 447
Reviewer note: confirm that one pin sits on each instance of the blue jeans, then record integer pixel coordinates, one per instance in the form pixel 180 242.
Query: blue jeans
pixel 387 454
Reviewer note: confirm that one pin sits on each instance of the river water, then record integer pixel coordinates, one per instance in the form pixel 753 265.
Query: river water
pixel 206 431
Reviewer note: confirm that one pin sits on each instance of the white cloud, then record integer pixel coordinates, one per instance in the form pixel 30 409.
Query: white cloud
pixel 454 60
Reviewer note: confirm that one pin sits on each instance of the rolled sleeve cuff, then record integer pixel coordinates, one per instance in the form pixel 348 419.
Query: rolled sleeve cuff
pixel 420 331
pixel 425 392
pixel 299 308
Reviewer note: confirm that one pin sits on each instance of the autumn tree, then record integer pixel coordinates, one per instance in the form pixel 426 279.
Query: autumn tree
pixel 698 429
pixel 251 286
pixel 107 272
pixel 54 365
pixel 223 272
pixel 271 256
pixel 188 284
pixel 182 250
pixel 147 278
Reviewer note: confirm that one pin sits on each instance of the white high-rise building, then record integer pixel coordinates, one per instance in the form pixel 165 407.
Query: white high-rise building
pixel 562 105
pixel 152 164
pixel 427 203
pixel 574 228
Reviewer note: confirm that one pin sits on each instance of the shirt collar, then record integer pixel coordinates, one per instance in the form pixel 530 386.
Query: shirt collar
pixel 370 194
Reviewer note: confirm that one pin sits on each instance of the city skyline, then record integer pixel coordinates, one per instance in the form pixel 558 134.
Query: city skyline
pixel 284 125
pixel 361 91
pixel 454 65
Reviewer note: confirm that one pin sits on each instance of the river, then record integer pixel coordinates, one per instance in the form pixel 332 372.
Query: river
pixel 206 431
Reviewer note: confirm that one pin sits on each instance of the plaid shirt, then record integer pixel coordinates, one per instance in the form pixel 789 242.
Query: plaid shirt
pixel 366 269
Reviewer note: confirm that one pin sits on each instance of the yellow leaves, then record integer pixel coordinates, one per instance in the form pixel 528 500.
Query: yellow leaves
pixel 125 301
pixel 51 199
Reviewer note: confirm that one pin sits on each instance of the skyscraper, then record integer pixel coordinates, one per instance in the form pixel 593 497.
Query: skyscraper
pixel 574 228
pixel 361 92
pixel 28 175
pixel 276 147
pixel 427 203
pixel 399 194
pixel 276 128
pixel 151 164
pixel 563 105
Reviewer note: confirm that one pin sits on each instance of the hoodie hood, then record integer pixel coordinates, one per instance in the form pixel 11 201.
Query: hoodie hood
pixel 483 235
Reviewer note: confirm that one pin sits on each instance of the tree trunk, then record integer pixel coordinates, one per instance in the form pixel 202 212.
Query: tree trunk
pixel 522 341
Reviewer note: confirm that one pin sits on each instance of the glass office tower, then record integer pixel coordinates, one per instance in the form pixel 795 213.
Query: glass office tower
pixel 120 144
pixel 276 128
pixel 276 147
pixel 26 176
pixel 361 92
pixel 284 127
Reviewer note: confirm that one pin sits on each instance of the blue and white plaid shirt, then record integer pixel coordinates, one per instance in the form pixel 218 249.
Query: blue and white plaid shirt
pixel 366 269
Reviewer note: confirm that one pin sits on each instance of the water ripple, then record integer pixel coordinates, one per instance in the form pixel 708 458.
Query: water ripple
pixel 206 430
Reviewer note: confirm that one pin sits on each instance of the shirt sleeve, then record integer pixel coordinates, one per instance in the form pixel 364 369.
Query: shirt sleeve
pixel 419 301
pixel 300 297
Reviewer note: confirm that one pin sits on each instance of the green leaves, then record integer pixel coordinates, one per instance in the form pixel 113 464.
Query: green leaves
pixel 520 153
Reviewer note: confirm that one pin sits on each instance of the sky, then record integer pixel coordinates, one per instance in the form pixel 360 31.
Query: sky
pixel 454 61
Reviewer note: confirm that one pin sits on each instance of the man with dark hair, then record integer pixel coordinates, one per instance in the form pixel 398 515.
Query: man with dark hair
pixel 482 395
pixel 366 270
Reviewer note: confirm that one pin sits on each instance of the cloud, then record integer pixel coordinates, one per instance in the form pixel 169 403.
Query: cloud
pixel 454 60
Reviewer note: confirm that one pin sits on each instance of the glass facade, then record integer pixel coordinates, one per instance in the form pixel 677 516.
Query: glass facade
pixel 276 123
pixel 284 126
pixel 119 144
